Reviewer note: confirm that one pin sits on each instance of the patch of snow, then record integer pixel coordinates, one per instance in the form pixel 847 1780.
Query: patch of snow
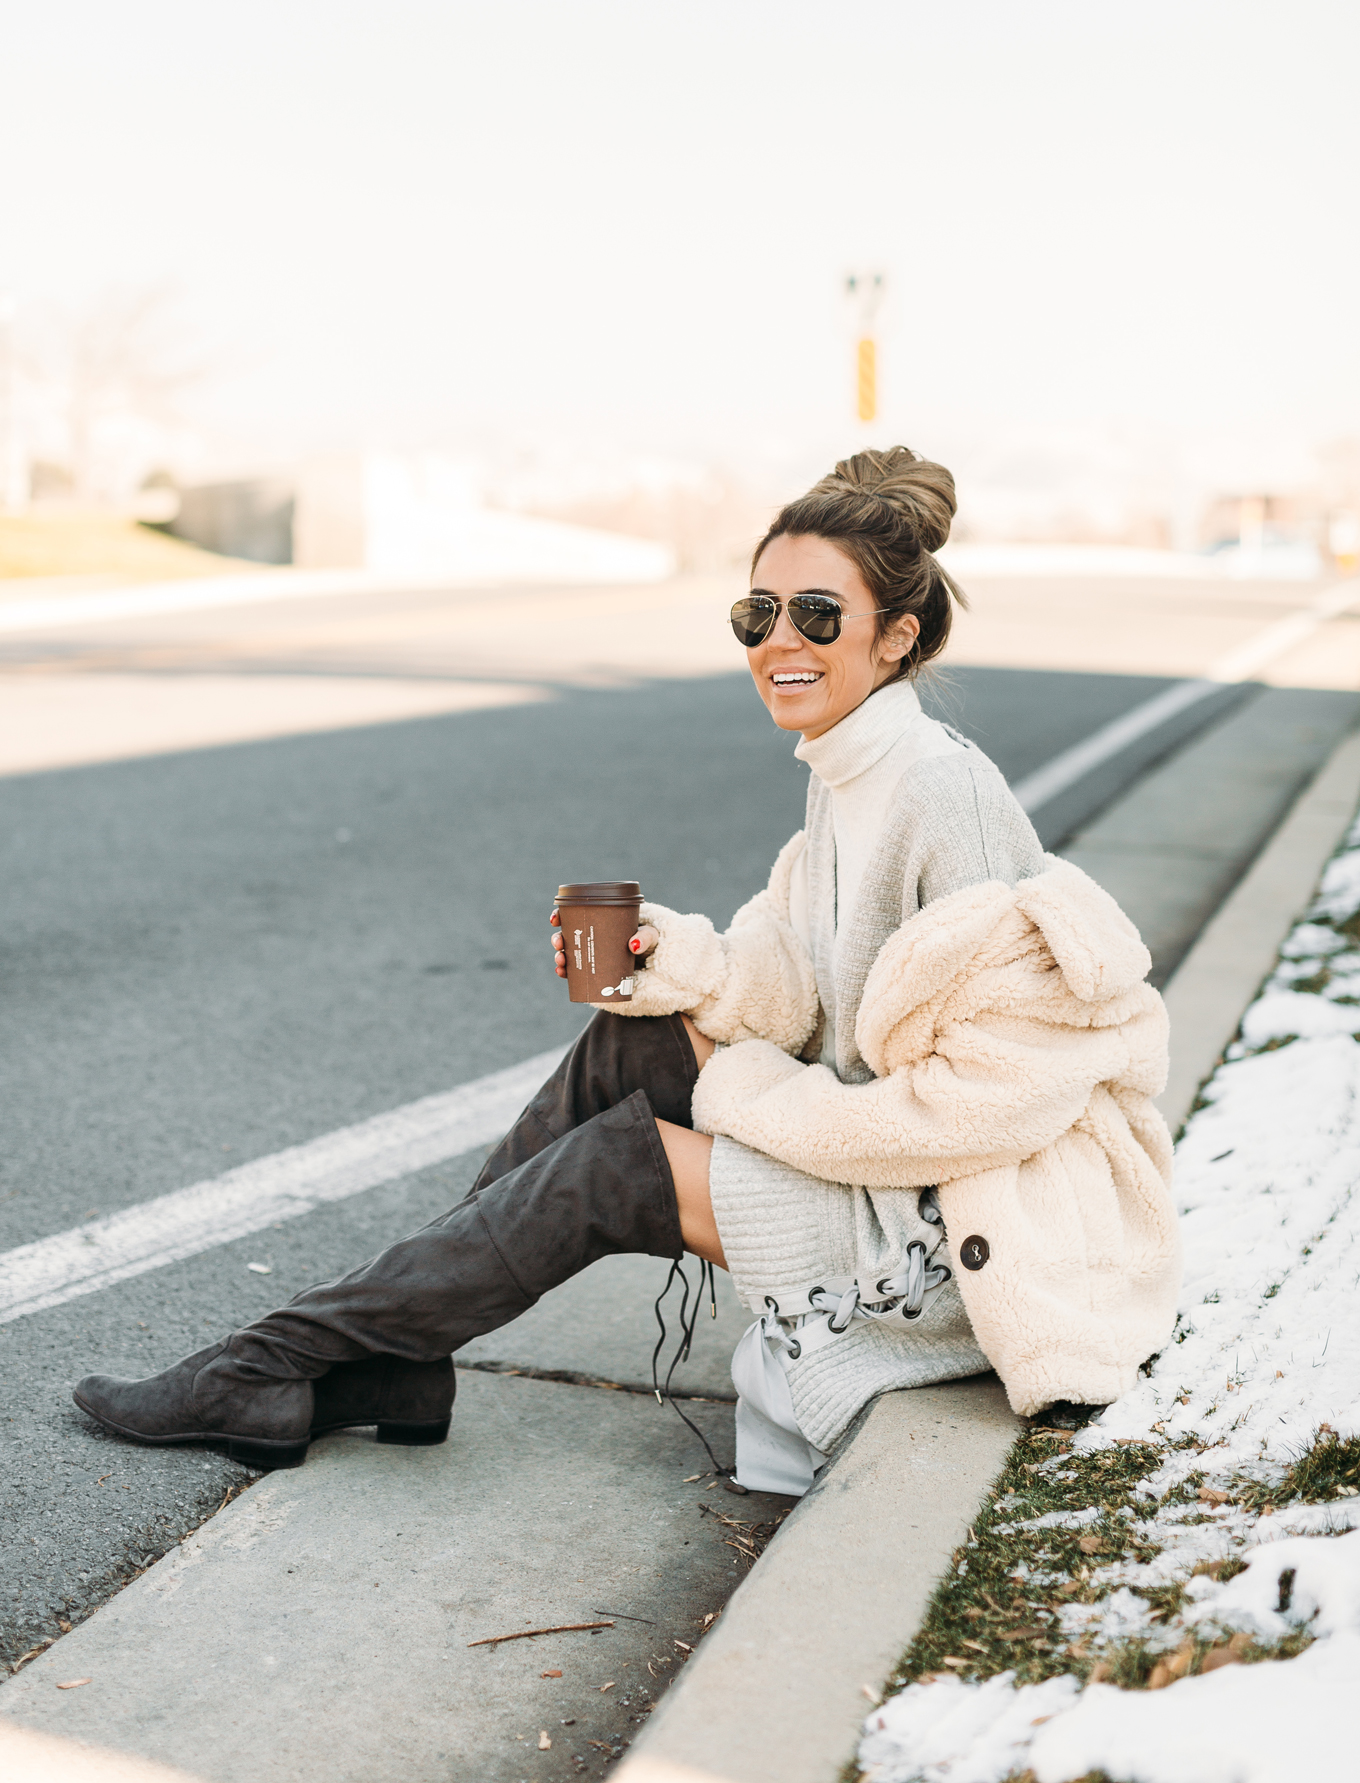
pixel 922 1735
pixel 1279 1014
pixel 1122 1616
pixel 1269 1723
pixel 1272 1723
pixel 1316 1582
pixel 1339 893
pixel 1311 941
pixel 1055 1520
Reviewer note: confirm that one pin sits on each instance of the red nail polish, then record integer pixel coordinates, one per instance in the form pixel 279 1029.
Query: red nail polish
pixel 633 945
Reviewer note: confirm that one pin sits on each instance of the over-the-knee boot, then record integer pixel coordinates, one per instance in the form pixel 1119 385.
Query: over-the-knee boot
pixel 611 1059
pixel 602 1188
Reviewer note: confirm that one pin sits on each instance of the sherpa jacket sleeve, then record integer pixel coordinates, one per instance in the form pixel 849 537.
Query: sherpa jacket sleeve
pixel 755 982
pixel 987 1047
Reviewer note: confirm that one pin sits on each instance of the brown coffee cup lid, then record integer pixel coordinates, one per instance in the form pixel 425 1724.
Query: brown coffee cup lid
pixel 601 891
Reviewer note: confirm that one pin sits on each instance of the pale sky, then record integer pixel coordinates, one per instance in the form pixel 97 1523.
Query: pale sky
pixel 391 219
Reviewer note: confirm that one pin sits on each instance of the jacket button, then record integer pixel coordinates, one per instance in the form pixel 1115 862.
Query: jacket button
pixel 974 1252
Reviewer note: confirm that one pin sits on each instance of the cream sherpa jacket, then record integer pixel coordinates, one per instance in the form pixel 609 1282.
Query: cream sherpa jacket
pixel 1015 1052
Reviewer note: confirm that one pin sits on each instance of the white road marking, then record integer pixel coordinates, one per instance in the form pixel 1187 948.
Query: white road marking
pixel 280 1187
pixel 1237 665
pixel 1075 764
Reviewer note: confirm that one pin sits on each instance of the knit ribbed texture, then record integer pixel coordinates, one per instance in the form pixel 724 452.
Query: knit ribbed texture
pixel 783 1230
pixel 953 823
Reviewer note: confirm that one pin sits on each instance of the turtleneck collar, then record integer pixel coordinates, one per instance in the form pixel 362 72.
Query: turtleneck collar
pixel 863 736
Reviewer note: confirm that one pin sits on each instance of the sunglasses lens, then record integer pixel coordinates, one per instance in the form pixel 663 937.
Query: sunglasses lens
pixel 817 617
pixel 753 620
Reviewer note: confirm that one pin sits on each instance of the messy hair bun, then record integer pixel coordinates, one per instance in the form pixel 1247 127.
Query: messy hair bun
pixel 887 511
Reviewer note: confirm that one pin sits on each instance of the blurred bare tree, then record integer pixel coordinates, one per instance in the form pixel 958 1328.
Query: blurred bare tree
pixel 116 363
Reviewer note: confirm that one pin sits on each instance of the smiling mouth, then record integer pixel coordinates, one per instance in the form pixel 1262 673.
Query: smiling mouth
pixel 798 678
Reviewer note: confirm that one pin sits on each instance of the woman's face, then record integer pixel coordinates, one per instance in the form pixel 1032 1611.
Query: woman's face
pixel 810 687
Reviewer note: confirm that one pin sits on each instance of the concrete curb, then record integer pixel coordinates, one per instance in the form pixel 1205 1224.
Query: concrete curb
pixel 1236 950
pixel 776 1693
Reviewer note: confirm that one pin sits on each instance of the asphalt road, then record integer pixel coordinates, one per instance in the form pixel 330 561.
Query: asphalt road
pixel 211 956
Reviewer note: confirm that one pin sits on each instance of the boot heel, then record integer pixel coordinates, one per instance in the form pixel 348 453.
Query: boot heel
pixel 267 1455
pixel 415 1435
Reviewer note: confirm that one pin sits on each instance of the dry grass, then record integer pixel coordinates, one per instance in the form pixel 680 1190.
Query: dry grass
pixel 82 543
pixel 1327 1469
pixel 993 1616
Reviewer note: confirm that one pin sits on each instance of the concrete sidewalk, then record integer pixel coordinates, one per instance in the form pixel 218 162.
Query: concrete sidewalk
pixel 319 1627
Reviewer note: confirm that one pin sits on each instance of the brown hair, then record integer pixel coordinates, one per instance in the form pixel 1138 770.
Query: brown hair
pixel 887 511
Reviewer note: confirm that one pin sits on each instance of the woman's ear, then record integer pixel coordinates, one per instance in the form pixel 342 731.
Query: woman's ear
pixel 900 638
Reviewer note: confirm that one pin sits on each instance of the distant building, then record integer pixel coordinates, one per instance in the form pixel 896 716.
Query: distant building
pixel 404 516
pixel 252 519
pixel 423 515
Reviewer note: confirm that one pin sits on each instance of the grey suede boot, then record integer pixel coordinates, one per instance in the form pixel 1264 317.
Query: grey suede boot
pixel 410 1402
pixel 601 1188
pixel 201 1399
pixel 611 1059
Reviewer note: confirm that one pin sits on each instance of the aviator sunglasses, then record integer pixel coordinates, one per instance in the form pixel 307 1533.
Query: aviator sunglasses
pixel 816 617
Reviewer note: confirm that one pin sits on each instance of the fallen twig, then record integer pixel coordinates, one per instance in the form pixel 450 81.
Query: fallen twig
pixel 748 1539
pixel 32 1653
pixel 523 1634
pixel 749 1555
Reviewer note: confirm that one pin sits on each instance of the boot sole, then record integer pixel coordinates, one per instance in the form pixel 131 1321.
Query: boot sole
pixel 413 1436
pixel 251 1451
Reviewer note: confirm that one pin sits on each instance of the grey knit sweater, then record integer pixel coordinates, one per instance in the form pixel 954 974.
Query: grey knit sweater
pixel 954 822
pixel 951 822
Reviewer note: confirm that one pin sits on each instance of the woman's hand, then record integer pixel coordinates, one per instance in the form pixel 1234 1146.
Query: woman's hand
pixel 640 946
pixel 559 946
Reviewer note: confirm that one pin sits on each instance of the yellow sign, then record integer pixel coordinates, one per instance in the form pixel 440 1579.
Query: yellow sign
pixel 867 380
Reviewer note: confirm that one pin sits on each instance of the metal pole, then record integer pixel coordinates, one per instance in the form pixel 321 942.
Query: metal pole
pixel 865 291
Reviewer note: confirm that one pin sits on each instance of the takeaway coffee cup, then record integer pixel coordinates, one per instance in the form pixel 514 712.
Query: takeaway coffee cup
pixel 598 921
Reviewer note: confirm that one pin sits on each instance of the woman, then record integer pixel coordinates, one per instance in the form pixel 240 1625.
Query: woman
pixel 905 1099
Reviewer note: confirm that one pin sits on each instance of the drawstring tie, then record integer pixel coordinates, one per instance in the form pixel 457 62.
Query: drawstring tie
pixel 895 1296
pixel 688 1321
pixel 888 1297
